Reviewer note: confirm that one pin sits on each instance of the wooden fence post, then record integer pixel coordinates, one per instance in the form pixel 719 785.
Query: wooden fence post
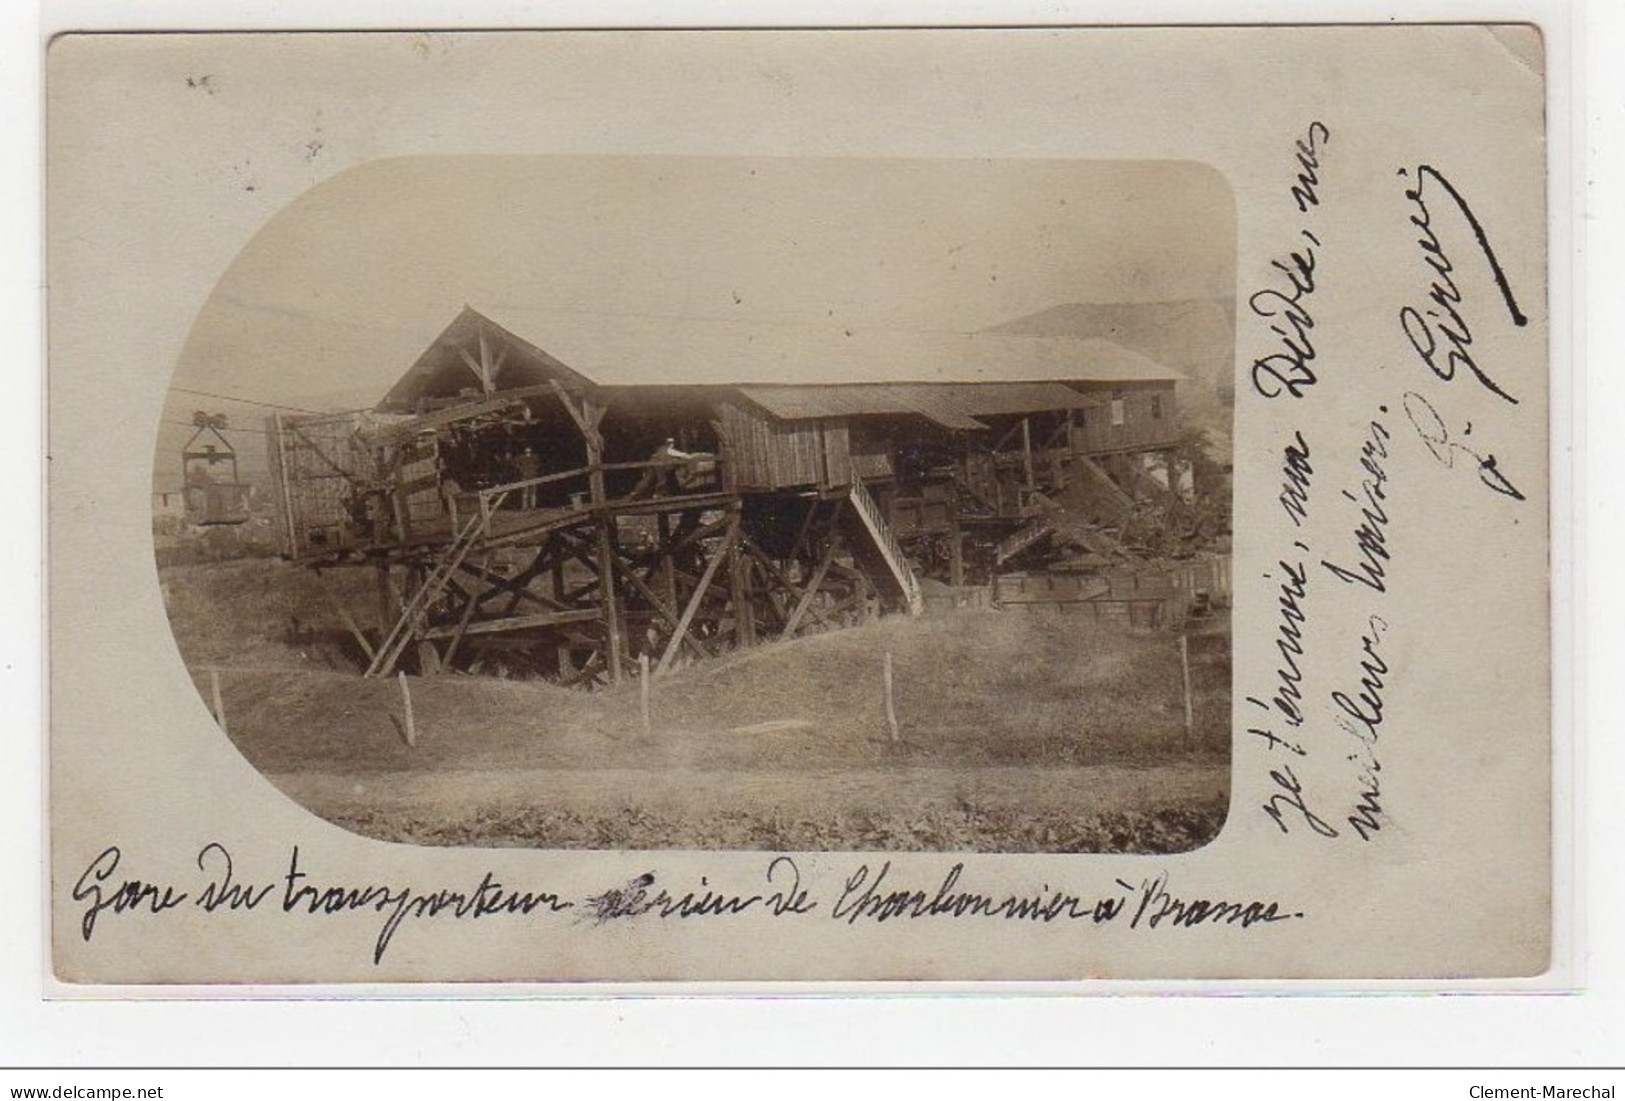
pixel 1185 667
pixel 406 699
pixel 891 708
pixel 643 693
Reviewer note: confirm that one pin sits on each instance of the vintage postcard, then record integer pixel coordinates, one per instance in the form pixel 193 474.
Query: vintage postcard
pixel 986 504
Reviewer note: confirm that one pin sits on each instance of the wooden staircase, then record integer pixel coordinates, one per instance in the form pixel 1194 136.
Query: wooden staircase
pixel 1067 523
pixel 1034 530
pixel 885 545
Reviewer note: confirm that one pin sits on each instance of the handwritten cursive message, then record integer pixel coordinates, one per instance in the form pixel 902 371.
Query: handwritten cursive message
pixel 1285 305
pixel 1440 329
pixel 1321 723
pixel 294 892
pixel 867 895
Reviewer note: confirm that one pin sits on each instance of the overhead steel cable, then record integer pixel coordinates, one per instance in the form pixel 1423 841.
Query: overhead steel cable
pixel 217 428
pixel 245 401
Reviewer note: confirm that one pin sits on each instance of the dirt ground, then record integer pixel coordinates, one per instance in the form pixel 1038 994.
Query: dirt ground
pixel 1021 731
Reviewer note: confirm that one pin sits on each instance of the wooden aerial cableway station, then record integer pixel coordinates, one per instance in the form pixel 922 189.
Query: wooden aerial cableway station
pixel 522 513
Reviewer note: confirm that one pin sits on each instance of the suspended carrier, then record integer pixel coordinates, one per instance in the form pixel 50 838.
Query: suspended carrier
pixel 212 492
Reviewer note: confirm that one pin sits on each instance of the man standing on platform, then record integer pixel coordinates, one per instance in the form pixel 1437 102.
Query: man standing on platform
pixel 528 465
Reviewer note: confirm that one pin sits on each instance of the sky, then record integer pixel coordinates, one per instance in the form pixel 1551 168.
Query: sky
pixel 335 296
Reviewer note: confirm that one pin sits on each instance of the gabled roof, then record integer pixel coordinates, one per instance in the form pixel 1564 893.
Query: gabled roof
pixel 473 343
pixel 792 371
pixel 641 351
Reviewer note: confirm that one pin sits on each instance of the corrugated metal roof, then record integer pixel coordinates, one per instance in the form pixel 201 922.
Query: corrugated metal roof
pixel 952 405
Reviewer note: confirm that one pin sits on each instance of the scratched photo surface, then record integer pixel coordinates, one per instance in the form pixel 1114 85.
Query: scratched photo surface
pixel 910 480
pixel 1000 504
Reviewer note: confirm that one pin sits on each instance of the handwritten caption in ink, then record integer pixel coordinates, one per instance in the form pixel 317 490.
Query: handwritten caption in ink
pixel 867 895
pixel 1345 543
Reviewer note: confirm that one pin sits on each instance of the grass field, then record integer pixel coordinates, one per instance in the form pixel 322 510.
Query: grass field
pixel 1021 731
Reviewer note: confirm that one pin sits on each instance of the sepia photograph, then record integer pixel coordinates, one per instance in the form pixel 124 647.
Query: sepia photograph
pixel 720 503
pixel 1026 505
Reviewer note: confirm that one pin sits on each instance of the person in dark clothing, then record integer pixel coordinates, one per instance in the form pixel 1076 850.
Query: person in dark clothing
pixel 527 465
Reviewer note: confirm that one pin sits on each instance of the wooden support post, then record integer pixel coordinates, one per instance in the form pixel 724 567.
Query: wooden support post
pixel 956 541
pixel 594 416
pixel 606 593
pixel 804 529
pixel 891 707
pixel 589 419
pixel 643 694
pixel 219 706
pixel 410 725
pixel 1027 452
pixel 462 628
pixel 488 381
pixel 810 593
pixel 665 610
pixel 388 612
pixel 695 601
pixel 785 586
pixel 1185 665
pixel 284 478
pixel 668 578
pixel 472 364
pixel 739 586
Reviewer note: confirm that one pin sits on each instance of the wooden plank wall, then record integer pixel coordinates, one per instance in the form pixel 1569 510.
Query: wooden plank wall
pixel 870 465
pixel 1209 574
pixel 1093 431
pixel 837 454
pixel 771 455
pixel 1169 588
pixel 313 492
pixel 420 480
pixel 795 455
pixel 748 446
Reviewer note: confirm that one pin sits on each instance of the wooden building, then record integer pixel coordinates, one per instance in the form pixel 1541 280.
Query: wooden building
pixel 522 510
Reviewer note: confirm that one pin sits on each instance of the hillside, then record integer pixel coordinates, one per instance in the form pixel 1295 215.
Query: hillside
pixel 1194 336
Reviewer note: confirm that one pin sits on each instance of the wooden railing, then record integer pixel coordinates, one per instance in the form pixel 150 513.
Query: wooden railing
pixel 880 532
pixel 492 498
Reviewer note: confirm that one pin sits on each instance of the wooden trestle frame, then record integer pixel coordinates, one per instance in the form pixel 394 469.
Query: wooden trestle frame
pixel 561 591
pixel 706 584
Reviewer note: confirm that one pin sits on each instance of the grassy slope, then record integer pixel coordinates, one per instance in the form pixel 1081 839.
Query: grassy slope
pixel 1021 731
